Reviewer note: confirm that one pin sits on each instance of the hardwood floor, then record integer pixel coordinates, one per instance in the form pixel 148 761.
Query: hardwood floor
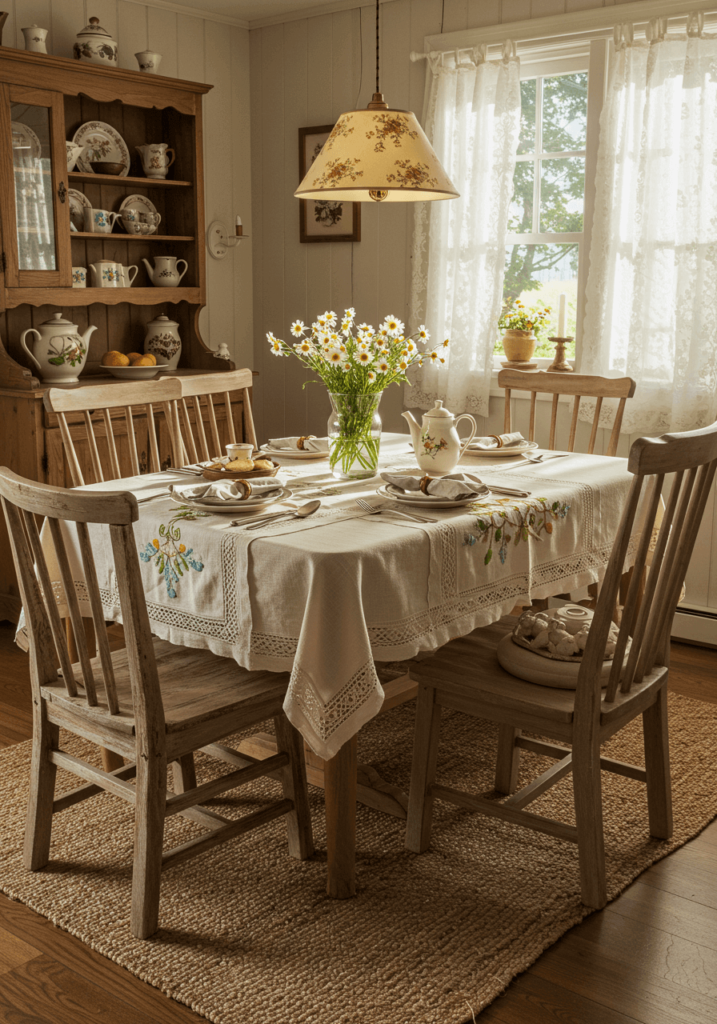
pixel 649 957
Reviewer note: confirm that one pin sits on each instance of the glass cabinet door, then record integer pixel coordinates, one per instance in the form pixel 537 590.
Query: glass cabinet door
pixel 35 205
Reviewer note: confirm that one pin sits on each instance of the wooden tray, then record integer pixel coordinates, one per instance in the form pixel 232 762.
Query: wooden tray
pixel 249 474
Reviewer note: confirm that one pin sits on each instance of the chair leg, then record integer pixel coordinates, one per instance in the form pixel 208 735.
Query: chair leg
pixel 587 788
pixel 184 776
pixel 38 826
pixel 423 773
pixel 148 835
pixel 657 764
pixel 508 760
pixel 293 780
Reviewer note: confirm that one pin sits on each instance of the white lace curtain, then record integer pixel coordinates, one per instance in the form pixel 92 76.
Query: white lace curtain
pixel 651 309
pixel 473 121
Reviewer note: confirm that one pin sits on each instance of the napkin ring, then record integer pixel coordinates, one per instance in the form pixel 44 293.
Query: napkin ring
pixel 498 439
pixel 247 488
pixel 306 437
pixel 424 482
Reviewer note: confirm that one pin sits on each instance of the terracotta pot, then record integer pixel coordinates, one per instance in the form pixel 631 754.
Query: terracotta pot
pixel 519 346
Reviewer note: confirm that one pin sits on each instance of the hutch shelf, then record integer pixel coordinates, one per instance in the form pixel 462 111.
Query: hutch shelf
pixel 43 101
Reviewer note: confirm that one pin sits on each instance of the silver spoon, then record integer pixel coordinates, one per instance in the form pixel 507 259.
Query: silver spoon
pixel 300 513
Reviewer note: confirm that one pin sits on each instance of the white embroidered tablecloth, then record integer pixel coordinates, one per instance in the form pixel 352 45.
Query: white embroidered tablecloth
pixel 325 597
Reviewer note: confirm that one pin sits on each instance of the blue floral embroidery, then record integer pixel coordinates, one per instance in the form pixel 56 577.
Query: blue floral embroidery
pixel 509 520
pixel 170 556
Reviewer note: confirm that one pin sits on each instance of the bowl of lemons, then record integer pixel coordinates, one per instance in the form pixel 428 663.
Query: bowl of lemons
pixel 132 365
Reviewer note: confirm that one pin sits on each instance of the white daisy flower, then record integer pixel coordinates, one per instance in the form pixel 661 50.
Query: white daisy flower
pixel 446 343
pixel 423 333
pixel 433 356
pixel 334 356
pixel 371 375
pixel 393 326
pixel 382 366
pixel 304 347
pixel 346 365
pixel 297 328
pixel 403 365
pixel 383 331
pixel 411 347
pixel 364 357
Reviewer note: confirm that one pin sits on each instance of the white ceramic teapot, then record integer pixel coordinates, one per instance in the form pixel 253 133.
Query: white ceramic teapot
pixel 165 272
pixel 436 442
pixel 60 352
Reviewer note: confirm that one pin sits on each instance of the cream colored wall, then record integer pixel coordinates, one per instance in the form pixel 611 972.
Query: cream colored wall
pixel 199 50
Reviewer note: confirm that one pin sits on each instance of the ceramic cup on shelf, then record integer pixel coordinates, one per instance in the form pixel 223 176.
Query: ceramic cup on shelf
pixel 148 61
pixel 79 277
pixel 165 272
pixel 108 274
pixel 155 159
pixel 99 222
pixel 35 39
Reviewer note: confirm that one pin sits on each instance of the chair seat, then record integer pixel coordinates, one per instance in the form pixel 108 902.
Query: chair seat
pixel 468 668
pixel 197 686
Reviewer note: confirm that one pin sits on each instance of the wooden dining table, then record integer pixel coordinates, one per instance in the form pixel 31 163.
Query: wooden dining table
pixel 332 597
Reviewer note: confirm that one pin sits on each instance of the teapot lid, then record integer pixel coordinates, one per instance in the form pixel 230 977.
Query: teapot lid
pixel 163 321
pixel 94 29
pixel 438 412
pixel 57 320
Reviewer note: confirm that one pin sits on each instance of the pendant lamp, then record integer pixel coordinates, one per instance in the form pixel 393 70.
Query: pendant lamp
pixel 378 154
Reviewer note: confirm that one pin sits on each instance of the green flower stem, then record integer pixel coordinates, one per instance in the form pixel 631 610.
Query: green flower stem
pixel 354 442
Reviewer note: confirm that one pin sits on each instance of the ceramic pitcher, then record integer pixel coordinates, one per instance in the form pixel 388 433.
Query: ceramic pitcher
pixel 155 159
pixel 436 443
pixel 165 272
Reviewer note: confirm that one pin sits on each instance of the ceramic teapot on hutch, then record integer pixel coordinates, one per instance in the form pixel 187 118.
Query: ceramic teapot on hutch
pixel 60 352
pixel 165 272
pixel 436 442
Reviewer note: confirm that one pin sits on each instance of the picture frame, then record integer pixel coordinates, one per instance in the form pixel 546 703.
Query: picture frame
pixel 324 220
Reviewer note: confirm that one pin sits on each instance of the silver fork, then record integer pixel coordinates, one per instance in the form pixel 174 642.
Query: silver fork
pixel 538 459
pixel 374 510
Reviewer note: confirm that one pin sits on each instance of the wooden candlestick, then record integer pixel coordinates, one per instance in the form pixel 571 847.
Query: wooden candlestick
pixel 560 363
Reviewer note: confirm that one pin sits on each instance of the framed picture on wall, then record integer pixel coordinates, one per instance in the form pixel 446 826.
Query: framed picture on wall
pixel 325 220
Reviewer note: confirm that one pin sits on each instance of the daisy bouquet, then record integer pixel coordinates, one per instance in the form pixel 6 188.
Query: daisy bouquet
pixel 519 317
pixel 356 363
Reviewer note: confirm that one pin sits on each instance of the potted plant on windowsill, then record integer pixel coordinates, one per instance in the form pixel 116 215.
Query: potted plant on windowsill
pixel 519 322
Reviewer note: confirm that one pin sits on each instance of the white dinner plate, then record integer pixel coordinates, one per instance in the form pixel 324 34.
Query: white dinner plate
pixel 232 507
pixel 501 453
pixel 102 142
pixel 24 140
pixel 78 203
pixel 287 453
pixel 428 500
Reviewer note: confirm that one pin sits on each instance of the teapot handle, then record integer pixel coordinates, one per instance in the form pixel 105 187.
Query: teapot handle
pixel 466 416
pixel 31 330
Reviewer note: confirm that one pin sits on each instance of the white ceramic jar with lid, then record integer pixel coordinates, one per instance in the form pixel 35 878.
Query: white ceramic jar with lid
pixel 163 341
pixel 96 45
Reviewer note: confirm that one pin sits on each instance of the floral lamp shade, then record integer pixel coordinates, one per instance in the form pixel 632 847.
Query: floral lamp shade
pixel 382 155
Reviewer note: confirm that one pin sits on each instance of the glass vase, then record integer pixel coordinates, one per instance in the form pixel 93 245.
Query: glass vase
pixel 354 431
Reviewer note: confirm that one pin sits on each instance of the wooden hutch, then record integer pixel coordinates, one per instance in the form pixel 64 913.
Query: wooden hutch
pixel 53 96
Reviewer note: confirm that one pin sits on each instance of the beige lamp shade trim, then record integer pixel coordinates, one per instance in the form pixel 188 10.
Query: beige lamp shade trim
pixel 382 151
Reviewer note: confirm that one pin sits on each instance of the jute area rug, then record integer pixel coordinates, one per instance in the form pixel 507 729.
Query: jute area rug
pixel 249 937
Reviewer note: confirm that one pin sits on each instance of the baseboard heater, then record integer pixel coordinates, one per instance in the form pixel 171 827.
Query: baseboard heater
pixel 696 625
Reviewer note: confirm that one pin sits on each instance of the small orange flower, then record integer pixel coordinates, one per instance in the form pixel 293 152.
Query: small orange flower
pixel 156 543
pixel 182 548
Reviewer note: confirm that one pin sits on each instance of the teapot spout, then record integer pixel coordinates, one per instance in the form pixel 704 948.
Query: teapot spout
pixel 150 270
pixel 86 336
pixel 414 428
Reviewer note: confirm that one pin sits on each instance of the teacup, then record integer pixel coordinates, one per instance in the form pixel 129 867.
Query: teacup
pixel 79 277
pixel 99 221
pixel 239 451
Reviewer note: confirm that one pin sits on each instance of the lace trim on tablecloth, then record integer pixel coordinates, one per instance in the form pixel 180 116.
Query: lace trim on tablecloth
pixel 327 718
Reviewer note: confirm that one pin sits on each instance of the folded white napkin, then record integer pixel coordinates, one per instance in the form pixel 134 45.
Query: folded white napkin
pixel 453 488
pixel 311 444
pixel 488 443
pixel 214 493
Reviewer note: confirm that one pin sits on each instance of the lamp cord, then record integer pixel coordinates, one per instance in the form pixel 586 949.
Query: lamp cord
pixel 377 46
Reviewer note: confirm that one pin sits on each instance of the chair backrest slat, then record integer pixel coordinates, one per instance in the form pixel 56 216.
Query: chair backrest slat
pixel 249 430
pixel 73 606
pixel 576 384
pixel 189 444
pixel 199 421
pixel 32 596
pixel 132 398
pixel 692 458
pixel 213 427
pixel 93 592
pixel 230 418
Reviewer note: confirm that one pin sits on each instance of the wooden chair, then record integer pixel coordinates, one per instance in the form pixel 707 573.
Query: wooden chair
pixel 577 384
pixel 136 397
pixel 466 675
pixel 190 429
pixel 153 702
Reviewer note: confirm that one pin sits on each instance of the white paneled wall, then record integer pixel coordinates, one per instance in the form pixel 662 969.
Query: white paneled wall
pixel 199 50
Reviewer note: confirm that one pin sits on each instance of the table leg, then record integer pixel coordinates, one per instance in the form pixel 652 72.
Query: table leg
pixel 340 795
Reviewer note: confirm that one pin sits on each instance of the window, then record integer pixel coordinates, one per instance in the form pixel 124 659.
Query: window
pixel 546 241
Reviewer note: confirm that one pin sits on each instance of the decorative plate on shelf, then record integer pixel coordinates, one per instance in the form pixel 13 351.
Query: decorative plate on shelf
pixel 24 138
pixel 101 142
pixel 138 204
pixel 78 204
pixel 290 453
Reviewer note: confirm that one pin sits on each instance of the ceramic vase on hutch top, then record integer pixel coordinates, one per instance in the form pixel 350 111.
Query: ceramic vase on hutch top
pixel 96 45
pixel 162 341
pixel 436 443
